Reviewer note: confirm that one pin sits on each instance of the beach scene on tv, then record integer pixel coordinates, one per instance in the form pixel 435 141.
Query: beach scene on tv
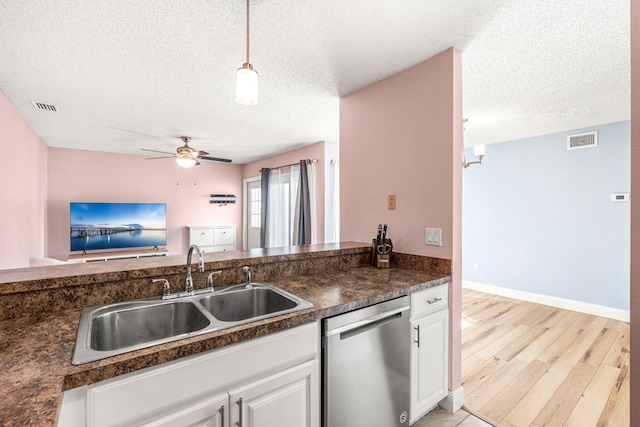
pixel 96 226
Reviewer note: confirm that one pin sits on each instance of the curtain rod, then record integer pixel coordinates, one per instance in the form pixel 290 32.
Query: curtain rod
pixel 286 166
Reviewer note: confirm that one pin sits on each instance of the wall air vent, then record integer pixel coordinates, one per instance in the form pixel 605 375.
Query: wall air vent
pixel 45 107
pixel 582 140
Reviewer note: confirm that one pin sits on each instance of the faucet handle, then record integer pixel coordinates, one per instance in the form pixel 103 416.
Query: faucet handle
pixel 210 278
pixel 166 288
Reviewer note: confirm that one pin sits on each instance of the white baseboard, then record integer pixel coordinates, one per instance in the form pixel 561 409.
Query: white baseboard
pixel 567 304
pixel 454 400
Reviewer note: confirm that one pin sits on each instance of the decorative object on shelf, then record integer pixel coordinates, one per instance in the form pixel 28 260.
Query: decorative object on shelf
pixel 247 78
pixel 223 199
pixel 478 150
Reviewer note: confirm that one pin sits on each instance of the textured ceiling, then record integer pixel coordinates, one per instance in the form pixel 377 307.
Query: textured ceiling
pixel 127 75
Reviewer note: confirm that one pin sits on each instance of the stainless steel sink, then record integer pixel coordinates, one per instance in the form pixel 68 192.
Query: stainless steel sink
pixel 129 324
pixel 241 303
pixel 119 328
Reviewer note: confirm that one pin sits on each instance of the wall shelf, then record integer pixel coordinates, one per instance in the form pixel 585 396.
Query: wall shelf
pixel 223 199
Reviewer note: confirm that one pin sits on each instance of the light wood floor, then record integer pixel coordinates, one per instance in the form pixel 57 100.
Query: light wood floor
pixel 526 364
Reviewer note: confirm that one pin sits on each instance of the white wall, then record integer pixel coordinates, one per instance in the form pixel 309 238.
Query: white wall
pixel 538 218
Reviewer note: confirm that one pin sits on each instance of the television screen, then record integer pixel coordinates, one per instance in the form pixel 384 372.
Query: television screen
pixel 117 225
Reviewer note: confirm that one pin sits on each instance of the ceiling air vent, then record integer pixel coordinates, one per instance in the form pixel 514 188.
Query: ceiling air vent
pixel 45 107
pixel 582 140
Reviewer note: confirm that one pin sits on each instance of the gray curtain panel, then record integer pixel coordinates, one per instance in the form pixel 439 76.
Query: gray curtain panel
pixel 304 216
pixel 264 194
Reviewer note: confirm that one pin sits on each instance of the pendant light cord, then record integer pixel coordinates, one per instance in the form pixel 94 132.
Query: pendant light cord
pixel 247 31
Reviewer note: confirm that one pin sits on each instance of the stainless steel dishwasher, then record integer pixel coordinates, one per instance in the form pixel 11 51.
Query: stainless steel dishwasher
pixel 366 362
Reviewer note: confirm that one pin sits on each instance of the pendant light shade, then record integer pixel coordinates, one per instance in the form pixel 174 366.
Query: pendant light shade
pixel 247 85
pixel 247 77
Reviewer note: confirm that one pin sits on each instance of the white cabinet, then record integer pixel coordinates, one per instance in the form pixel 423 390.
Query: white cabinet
pixel 285 399
pixel 276 376
pixel 429 355
pixel 214 238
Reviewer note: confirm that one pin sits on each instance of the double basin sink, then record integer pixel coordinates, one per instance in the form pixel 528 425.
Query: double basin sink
pixel 119 328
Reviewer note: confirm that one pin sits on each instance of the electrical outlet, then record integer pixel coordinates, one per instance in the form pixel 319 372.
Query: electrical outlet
pixel 476 266
pixel 392 201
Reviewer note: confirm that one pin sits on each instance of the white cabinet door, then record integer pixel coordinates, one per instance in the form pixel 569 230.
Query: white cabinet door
pixel 289 398
pixel 429 362
pixel 201 236
pixel 212 412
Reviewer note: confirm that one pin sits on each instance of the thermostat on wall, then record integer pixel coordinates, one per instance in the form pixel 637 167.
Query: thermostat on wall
pixel 620 197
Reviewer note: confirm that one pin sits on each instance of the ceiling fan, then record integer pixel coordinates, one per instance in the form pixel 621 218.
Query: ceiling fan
pixel 187 156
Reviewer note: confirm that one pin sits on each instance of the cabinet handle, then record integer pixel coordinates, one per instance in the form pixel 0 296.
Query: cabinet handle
pixel 417 328
pixel 239 423
pixel 221 410
pixel 433 301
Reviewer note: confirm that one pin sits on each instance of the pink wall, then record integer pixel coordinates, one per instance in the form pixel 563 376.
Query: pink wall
pixel 402 136
pixel 23 190
pixel 635 212
pixel 314 151
pixel 89 176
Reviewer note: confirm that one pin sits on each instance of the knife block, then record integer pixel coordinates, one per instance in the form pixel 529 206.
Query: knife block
pixel 381 260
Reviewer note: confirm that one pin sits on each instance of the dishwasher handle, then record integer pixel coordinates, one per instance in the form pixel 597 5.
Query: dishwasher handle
pixel 358 327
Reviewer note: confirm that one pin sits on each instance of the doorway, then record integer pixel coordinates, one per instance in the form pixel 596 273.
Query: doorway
pixel 251 213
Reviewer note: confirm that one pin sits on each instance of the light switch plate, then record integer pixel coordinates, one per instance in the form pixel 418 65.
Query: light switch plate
pixel 433 236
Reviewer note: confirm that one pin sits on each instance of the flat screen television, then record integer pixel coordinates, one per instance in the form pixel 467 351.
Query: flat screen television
pixel 96 226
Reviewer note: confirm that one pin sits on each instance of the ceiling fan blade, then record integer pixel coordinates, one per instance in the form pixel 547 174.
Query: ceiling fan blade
pixel 156 151
pixel 215 159
pixel 200 153
pixel 159 157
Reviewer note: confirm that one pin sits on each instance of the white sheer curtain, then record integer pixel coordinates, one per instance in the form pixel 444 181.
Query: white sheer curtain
pixel 283 187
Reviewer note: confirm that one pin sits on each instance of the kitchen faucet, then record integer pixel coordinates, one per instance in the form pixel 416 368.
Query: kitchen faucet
pixel 188 281
pixel 247 277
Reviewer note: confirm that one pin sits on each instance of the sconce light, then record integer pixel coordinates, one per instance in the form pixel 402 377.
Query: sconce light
pixel 478 150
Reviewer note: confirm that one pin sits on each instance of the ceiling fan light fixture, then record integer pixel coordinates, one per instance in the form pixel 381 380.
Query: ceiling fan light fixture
pixel 247 77
pixel 185 162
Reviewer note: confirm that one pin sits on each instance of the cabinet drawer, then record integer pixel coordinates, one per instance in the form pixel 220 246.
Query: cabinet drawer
pixel 224 236
pixel 430 300
pixel 201 237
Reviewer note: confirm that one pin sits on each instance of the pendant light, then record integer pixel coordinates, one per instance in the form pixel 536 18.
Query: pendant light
pixel 247 77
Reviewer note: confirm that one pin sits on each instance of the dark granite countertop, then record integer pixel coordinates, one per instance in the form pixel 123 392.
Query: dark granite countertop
pixel 35 353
